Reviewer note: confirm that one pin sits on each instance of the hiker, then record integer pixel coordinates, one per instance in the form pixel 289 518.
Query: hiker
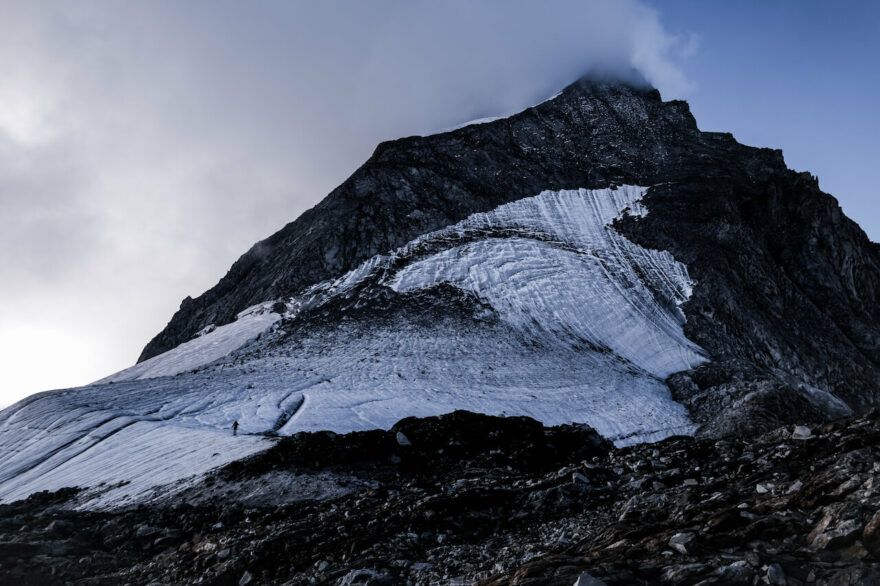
pixel 235 428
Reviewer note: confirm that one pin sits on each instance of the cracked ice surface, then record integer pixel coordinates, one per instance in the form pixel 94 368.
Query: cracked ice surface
pixel 584 326
pixel 566 274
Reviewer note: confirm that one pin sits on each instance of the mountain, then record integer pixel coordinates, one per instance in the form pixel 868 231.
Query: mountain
pixel 593 259
pixel 788 288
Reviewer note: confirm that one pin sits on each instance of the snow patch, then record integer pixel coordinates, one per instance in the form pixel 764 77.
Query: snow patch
pixel 473 122
pixel 488 119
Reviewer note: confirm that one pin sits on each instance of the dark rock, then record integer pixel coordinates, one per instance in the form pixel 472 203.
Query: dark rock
pixel 837 535
pixel 775 575
pixel 365 577
pixel 402 439
pixel 735 573
pixel 801 432
pixel 147 531
pixel 496 506
pixel 683 543
pixel 16 550
pixel 871 534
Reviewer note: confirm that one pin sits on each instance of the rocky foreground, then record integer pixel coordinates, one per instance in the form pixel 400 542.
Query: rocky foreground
pixel 467 498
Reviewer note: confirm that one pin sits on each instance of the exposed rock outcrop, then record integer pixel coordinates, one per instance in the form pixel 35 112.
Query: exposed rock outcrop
pixel 489 500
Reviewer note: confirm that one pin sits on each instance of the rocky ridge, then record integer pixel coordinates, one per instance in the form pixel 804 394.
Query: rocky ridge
pixel 466 498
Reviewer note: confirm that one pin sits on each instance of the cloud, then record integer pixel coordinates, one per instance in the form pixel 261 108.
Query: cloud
pixel 144 146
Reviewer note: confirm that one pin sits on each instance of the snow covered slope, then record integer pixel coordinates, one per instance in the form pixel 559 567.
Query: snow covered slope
pixel 212 343
pixel 536 308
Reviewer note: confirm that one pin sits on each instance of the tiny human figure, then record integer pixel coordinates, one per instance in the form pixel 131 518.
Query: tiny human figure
pixel 235 428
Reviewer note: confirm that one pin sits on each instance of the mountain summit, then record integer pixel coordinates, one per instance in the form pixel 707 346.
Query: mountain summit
pixel 593 259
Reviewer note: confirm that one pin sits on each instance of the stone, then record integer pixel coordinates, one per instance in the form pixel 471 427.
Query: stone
pixel 147 531
pixel 402 440
pixel 60 526
pixel 680 574
pixel 871 534
pixel 364 577
pixel 703 534
pixel 578 477
pixel 683 543
pixel 855 551
pixel 736 573
pixel 753 558
pixel 837 536
pixel 775 575
pixel 246 579
pixel 18 550
pixel 801 433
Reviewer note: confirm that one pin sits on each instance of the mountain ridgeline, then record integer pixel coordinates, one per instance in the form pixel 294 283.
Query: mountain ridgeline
pixel 786 301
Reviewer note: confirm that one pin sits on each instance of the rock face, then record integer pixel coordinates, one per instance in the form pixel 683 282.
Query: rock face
pixel 782 305
pixel 787 295
pixel 485 500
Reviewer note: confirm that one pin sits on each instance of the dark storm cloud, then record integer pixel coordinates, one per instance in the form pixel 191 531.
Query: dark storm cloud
pixel 145 145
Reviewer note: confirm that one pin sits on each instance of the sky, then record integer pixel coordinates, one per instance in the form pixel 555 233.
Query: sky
pixel 144 146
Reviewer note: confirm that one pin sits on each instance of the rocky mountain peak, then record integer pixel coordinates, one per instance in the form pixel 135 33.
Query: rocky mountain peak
pixel 593 134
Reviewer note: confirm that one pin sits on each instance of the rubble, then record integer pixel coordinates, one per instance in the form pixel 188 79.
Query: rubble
pixel 491 501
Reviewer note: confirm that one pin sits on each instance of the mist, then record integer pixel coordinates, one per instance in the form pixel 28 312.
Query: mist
pixel 145 146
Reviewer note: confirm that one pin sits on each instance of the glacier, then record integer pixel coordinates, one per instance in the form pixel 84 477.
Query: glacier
pixel 554 315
